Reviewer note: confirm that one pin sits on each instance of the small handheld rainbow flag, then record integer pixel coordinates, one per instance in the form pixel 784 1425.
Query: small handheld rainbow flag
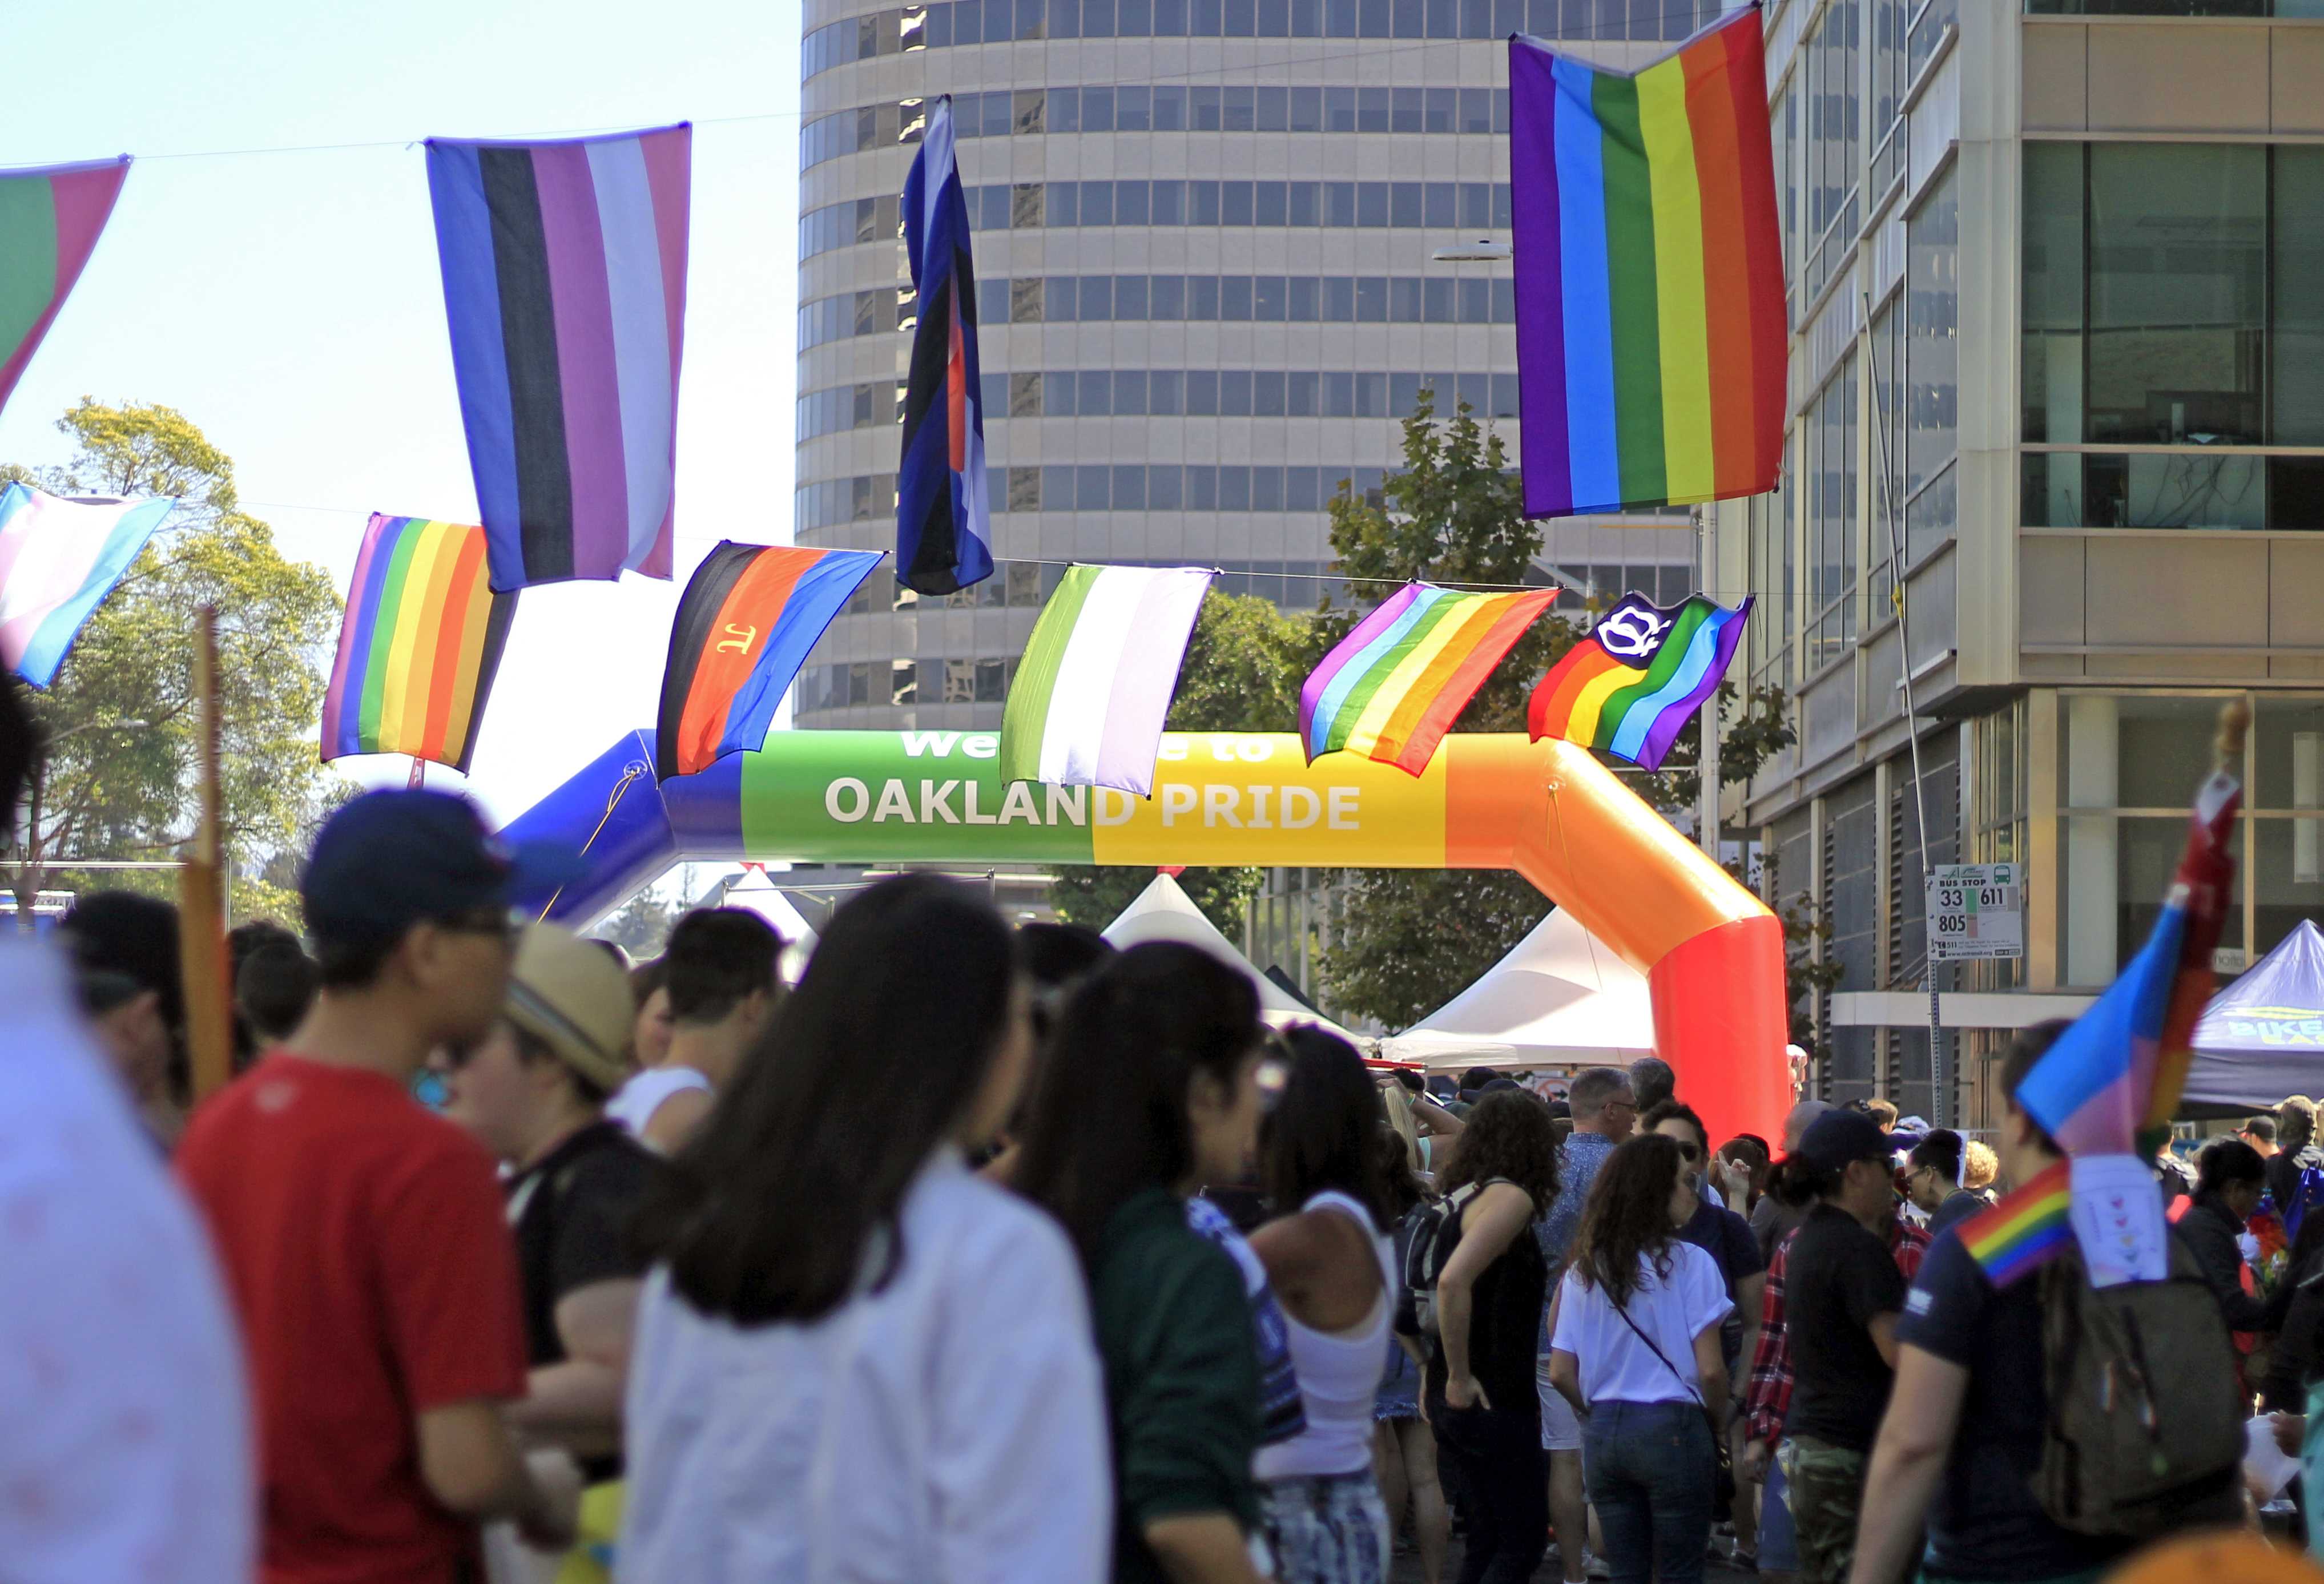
pixel 1391 689
pixel 420 645
pixel 1631 686
pixel 2024 1231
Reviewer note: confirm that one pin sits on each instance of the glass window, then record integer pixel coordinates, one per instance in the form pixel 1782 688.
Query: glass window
pixel 1130 297
pixel 1241 21
pixel 1372 204
pixel 1202 489
pixel 1134 110
pixel 1097 299
pixel 1932 349
pixel 1405 204
pixel 1266 395
pixel 1169 19
pixel 1505 301
pixel 1097 109
pixel 1274 107
pixel 1090 491
pixel 1025 394
pixel 1134 19
pixel 1371 299
pixel 1024 301
pixel 1235 298
pixel 1057 488
pixel 1440 205
pixel 1268 303
pixel 1270 203
pixel 1025 211
pixel 1165 489
pixel 1476 301
pixel 1129 489
pixel 1169 294
pixel 1130 392
pixel 1407 111
pixel 1372 109
pixel 1165 392
pixel 1203 111
pixel 1404 300
pixel 1170 109
pixel 2296 342
pixel 1203 298
pixel 1234 203
pixel 1202 203
pixel 1306 109
pixel 1238 109
pixel 1339 299
pixel 1234 392
pixel 1129 203
pixel 1097 18
pixel 1339 203
pixel 1201 393
pixel 1436 301
pixel 1338 395
pixel 1027 113
pixel 1096 398
pixel 1234 489
pixel 1061 300
pixel 1301 394
pixel 1064 204
pixel 1371 394
pixel 1169 203
pixel 1340 109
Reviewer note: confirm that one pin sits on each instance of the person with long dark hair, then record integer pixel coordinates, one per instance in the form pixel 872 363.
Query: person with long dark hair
pixel 1404 1447
pixel 1635 1349
pixel 856 1360
pixel 1330 1263
pixel 1479 1383
pixel 1148 1089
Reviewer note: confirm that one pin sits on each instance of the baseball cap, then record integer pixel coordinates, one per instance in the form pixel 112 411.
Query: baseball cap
pixel 1838 1137
pixel 566 992
pixel 392 858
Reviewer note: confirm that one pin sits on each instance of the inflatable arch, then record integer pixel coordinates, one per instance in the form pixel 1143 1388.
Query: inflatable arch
pixel 1712 954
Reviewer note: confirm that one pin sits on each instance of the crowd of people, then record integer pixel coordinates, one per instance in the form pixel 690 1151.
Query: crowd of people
pixel 982 1253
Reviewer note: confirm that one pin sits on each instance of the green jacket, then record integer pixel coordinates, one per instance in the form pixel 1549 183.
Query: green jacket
pixel 1181 1377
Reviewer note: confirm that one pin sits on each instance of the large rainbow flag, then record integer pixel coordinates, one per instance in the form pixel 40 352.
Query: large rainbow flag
pixel 50 220
pixel 1649 278
pixel 421 642
pixel 1391 689
pixel 1631 686
pixel 565 285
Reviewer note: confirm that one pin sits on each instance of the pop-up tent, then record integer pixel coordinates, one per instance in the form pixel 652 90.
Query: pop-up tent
pixel 1559 999
pixel 2262 1038
pixel 1164 912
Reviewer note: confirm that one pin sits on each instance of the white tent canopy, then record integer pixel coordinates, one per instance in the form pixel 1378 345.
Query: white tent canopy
pixel 1561 997
pixel 754 892
pixel 1164 912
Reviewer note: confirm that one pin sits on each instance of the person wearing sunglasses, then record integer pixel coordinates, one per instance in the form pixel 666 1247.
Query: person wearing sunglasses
pixel 363 1237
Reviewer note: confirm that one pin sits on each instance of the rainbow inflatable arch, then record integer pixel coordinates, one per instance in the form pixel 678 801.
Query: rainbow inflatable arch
pixel 1712 954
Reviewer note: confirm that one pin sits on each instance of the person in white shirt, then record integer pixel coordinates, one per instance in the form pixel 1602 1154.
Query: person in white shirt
pixel 124 1439
pixel 857 1363
pixel 719 987
pixel 1634 1345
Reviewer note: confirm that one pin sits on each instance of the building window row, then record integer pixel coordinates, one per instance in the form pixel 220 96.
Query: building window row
pixel 1172 393
pixel 1038 204
pixel 1103 487
pixel 1295 299
pixel 1003 22
pixel 1030 112
pixel 897 682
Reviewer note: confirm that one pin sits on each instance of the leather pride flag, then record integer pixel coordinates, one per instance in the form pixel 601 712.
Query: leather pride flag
pixel 748 616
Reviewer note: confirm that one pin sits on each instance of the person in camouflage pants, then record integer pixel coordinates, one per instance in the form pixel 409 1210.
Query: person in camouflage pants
pixel 1826 1485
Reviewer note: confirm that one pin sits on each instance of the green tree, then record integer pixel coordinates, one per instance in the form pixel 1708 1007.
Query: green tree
pixel 642 925
pixel 118 780
pixel 1244 665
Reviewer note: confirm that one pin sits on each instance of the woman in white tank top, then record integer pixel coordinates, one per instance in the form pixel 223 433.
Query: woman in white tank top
pixel 1331 1266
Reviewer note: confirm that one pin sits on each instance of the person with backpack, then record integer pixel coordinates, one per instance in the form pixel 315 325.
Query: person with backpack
pixel 1479 1280
pixel 1964 1447
pixel 1404 1447
pixel 1633 1346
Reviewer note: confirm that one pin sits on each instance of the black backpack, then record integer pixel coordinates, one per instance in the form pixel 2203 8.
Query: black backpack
pixel 2144 1434
pixel 1427 1239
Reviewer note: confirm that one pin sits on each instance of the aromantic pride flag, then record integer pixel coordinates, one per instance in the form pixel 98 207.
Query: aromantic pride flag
pixel 1391 689
pixel 1631 687
pixel 1086 706
pixel 565 286
pixel 1649 279
pixel 420 645
pixel 50 220
pixel 944 528
pixel 745 623
pixel 58 558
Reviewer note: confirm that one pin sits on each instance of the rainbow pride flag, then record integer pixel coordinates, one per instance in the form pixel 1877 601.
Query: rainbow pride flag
pixel 1391 689
pixel 1649 278
pixel 50 220
pixel 1631 686
pixel 2024 1231
pixel 421 642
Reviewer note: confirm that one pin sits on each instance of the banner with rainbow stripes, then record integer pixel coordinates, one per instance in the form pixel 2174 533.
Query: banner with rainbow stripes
pixel 2024 1231
pixel 1649 278
pixel 1632 685
pixel 1391 689
pixel 420 645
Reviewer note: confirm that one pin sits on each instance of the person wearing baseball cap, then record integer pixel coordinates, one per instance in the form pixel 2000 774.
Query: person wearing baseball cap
pixel 532 1092
pixel 1842 1294
pixel 364 1236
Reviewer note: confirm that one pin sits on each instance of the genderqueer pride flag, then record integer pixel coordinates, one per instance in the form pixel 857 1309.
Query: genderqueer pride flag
pixel 1086 706
pixel 1649 280
pixel 1632 685
pixel 58 558
pixel 50 219
pixel 565 287
pixel 420 645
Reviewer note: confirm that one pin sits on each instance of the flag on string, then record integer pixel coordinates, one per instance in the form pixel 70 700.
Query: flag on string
pixel 419 646
pixel 1635 682
pixel 1649 280
pixel 2023 1232
pixel 1086 705
pixel 565 286
pixel 58 558
pixel 745 623
pixel 2120 1067
pixel 944 528
pixel 1391 689
pixel 50 220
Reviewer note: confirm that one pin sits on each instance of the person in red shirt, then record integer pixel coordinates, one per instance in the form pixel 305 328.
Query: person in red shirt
pixel 363 1237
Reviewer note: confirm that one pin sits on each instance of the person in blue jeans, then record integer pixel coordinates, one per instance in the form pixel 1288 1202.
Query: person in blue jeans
pixel 1634 1345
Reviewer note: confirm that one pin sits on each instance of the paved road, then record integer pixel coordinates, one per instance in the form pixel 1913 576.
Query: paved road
pixel 1407 1571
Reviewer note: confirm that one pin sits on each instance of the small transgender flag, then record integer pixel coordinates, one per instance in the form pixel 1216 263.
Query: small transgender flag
pixel 58 558
pixel 943 520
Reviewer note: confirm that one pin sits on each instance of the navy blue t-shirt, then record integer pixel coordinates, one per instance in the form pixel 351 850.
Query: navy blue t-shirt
pixel 1986 1522
pixel 1726 1237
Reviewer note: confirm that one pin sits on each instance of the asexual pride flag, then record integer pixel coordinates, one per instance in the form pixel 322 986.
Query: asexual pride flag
pixel 564 284
pixel 50 219
pixel 1650 282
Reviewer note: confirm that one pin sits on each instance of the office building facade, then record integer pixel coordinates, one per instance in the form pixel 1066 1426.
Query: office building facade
pixel 2054 367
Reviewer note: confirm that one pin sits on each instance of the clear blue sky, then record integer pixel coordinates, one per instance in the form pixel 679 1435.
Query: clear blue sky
pixel 290 304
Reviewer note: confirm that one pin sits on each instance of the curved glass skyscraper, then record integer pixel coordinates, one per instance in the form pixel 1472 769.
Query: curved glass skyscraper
pixel 1207 292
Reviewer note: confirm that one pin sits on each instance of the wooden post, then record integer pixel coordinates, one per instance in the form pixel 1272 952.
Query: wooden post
pixel 201 887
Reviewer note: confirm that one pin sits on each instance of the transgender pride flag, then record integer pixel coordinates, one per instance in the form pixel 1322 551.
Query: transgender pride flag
pixel 58 558
pixel 565 285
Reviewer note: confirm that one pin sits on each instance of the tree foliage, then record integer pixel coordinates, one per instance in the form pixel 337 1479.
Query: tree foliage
pixel 117 781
